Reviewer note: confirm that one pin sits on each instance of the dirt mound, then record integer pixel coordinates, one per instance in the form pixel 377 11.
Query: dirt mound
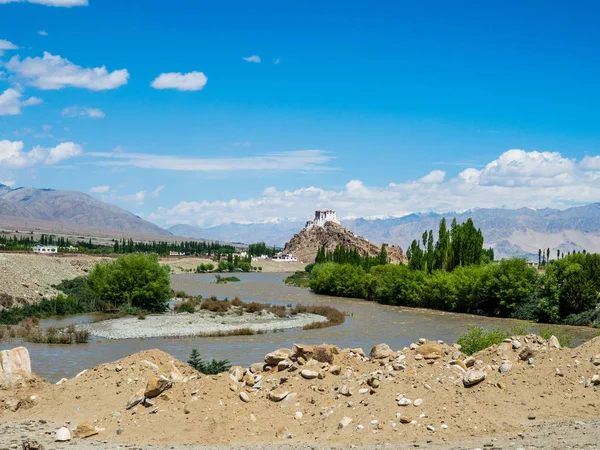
pixel 305 244
pixel 429 391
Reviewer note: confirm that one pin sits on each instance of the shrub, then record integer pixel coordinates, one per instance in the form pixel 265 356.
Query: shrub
pixel 254 307
pixel 180 294
pixel 333 315
pixel 128 310
pixel 136 279
pixel 215 305
pixel 477 339
pixel 81 336
pixel 142 315
pixel 237 302
pixel 188 306
pixel 212 367
pixel 323 355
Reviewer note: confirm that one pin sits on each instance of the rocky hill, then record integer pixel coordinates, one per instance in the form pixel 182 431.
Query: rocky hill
pixel 70 207
pixel 305 244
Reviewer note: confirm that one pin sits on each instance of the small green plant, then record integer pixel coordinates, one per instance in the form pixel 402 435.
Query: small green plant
pixel 478 338
pixel 128 310
pixel 212 367
pixel 564 338
pixel 224 280
pixel 180 294
pixel 188 306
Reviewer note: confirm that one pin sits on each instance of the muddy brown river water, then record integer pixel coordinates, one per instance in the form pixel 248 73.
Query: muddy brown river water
pixel 367 324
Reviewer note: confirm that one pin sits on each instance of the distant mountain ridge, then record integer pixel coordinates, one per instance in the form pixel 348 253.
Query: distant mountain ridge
pixel 71 207
pixel 517 232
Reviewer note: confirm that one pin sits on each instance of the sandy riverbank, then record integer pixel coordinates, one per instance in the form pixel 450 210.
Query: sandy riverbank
pixel 196 324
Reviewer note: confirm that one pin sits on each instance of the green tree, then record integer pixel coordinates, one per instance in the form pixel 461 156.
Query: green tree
pixel 383 257
pixel 212 367
pixel 136 280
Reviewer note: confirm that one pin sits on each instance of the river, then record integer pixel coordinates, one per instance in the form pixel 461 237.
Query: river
pixel 367 324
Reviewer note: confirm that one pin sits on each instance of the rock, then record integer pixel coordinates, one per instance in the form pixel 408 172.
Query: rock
pixel 298 415
pixel 155 386
pixel 85 430
pixel 413 346
pixel 302 351
pixel 118 368
pixel 431 350
pixel 422 341
pixel 531 416
pixel 595 379
pixel 251 380
pixel 175 375
pixel 29 444
pixel 526 353
pixel 380 351
pixel 345 391
pixel 404 402
pixel 309 374
pixel 418 402
pixel 335 370
pixel 359 351
pixel 277 356
pixel 233 387
pixel 363 390
pixel 62 380
pixel 596 360
pixel 257 367
pixel 15 367
pixel 505 367
pixel 154 411
pixel 470 361
pixel 398 366
pixel 530 361
pixel 135 399
pixel 277 397
pixel 405 419
pixel 12 404
pixel 516 344
pixel 444 426
pixel 373 382
pixel 236 373
pixel 344 422
pixel 553 342
pixel 430 428
pixel 244 397
pixel 62 435
pixel 284 365
pixel 81 373
pixel 460 364
pixel 149 364
pixel 473 376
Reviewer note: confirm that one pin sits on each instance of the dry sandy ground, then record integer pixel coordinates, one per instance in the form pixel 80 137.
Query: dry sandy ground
pixel 530 399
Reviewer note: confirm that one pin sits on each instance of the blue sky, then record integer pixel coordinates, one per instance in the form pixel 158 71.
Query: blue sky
pixel 373 111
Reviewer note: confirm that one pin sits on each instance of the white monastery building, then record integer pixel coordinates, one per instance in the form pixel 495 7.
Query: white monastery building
pixel 45 249
pixel 321 218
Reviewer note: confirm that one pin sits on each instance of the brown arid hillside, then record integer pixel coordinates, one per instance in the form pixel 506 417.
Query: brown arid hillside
pixel 305 244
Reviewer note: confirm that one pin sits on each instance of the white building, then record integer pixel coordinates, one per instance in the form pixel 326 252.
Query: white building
pixel 45 249
pixel 321 218
pixel 284 258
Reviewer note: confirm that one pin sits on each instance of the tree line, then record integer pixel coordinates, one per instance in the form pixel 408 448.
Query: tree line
pixel 342 255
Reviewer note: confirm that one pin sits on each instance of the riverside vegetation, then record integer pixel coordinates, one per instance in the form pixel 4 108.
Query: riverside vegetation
pixel 456 273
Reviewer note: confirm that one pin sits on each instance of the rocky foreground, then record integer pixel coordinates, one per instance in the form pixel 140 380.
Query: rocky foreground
pixel 429 393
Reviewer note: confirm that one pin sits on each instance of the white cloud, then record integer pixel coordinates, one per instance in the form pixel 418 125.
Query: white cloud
pixel 156 192
pixel 43 33
pixel 435 176
pixel 192 81
pixel 63 3
pixel 9 183
pixel 55 72
pixel 252 59
pixel 100 189
pixel 82 111
pixel 515 179
pixel 302 160
pixel 6 45
pixel 11 103
pixel 12 155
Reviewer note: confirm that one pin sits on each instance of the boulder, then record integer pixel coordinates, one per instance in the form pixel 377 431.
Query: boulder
pixel 505 367
pixel 155 386
pixel 431 350
pixel 553 342
pixel 62 435
pixel 309 374
pixel 380 351
pixel 236 373
pixel 335 370
pixel 149 364
pixel 473 377
pixel 526 353
pixel 516 344
pixel 405 419
pixel 135 399
pixel 12 404
pixel 358 351
pixel 85 430
pixel 301 350
pixel 277 356
pixel 469 361
pixel 460 364
pixel 257 367
pixel 15 367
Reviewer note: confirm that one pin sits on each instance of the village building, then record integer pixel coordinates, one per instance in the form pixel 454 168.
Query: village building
pixel 321 218
pixel 284 257
pixel 45 249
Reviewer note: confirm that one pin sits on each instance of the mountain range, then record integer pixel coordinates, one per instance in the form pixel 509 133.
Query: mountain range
pixel 69 207
pixel 519 232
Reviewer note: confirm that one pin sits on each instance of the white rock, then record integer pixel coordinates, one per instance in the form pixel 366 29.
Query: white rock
pixel 15 367
pixel 344 422
pixel 516 344
pixel 404 402
pixel 244 397
pixel 473 376
pixel 418 402
pixel 309 374
pixel 62 435
pixel 298 415
pixel 430 428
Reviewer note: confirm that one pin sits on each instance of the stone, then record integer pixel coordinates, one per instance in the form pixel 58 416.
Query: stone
pixel 418 402
pixel 345 391
pixel 363 390
pixel 398 366
pixel 15 367
pixel 380 351
pixel 531 361
pixel 298 415
pixel 405 419
pixel 85 430
pixel 81 373
pixel 460 364
pixel 431 350
pixel 62 435
pixel 505 367
pixel 553 342
pixel 62 380
pixel 12 404
pixel 531 416
pixel 430 428
pixel 373 382
pixel 358 351
pixel 335 370
pixel 135 399
pixel 526 353
pixel 257 367
pixel 284 365
pixel 344 422
pixel 149 364
pixel 595 379
pixel 236 373
pixel 302 351
pixel 244 397
pixel 118 368
pixel 516 344
pixel 277 356
pixel 155 386
pixel 444 426
pixel 309 374
pixel 233 387
pixel 470 361
pixel 473 377
pixel 30 444
pixel 413 346
pixel 422 341
pixel 274 397
pixel 404 401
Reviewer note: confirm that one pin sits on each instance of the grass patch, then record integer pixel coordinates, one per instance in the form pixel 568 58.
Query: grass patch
pixel 31 332
pixel 333 315
pixel 300 279
pixel 212 367
pixel 187 306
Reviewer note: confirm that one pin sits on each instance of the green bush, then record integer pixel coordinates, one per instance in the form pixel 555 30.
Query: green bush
pixel 136 280
pixel 477 339
pixel 212 367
